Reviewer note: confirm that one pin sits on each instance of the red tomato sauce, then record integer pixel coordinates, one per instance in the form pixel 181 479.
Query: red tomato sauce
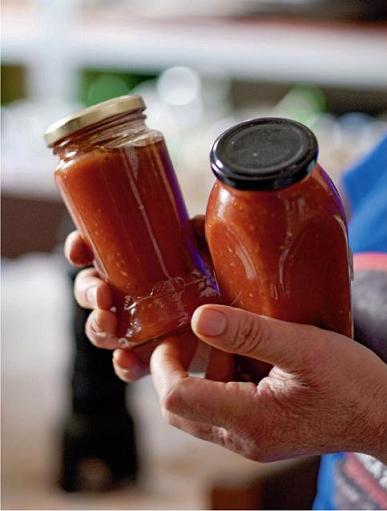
pixel 283 253
pixel 127 204
pixel 276 229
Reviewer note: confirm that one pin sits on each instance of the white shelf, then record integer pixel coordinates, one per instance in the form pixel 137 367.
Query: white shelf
pixel 259 51
pixel 281 52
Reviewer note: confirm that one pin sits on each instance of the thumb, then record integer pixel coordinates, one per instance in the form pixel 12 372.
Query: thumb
pixel 290 346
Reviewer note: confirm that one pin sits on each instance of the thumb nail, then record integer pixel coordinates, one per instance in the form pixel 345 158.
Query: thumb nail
pixel 208 322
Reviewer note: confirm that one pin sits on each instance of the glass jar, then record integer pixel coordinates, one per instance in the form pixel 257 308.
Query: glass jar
pixel 276 227
pixel 119 185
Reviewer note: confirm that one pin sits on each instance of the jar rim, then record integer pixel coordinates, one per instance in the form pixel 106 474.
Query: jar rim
pixel 92 115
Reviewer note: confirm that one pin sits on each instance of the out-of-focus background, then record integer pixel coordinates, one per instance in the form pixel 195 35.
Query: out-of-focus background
pixel 201 67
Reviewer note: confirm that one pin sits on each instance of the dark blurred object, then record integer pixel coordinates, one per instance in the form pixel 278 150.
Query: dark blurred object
pixel 369 296
pixel 13 83
pixel 99 443
pixel 98 453
pixel 375 10
pixel 29 224
pixel 285 485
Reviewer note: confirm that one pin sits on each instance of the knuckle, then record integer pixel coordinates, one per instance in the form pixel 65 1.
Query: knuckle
pixel 169 418
pixel 98 338
pixel 247 334
pixel 319 349
pixel 221 436
pixel 171 399
pixel 232 387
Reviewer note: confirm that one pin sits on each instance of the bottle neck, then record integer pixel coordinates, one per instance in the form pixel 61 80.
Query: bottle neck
pixel 112 132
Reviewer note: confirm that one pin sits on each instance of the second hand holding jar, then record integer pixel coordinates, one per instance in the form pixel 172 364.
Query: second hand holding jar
pixel 118 183
pixel 276 229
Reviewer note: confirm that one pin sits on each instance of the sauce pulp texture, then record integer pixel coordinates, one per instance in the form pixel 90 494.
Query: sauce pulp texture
pixel 127 203
pixel 283 253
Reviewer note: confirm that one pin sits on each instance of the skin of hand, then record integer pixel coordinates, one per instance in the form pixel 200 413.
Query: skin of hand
pixel 91 292
pixel 325 393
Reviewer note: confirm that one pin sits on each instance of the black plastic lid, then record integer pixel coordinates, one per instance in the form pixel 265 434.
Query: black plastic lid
pixel 264 154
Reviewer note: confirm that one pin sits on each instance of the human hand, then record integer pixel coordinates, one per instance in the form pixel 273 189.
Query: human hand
pixel 325 393
pixel 91 292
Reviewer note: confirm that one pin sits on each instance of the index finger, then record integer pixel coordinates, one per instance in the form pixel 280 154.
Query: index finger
pixel 77 251
pixel 197 399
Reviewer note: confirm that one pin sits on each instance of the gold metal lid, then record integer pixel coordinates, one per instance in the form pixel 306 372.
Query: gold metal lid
pixel 92 115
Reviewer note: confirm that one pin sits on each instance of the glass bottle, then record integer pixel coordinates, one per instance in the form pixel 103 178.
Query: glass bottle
pixel 118 183
pixel 276 227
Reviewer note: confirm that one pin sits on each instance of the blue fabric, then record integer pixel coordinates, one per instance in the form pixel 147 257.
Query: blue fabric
pixel 326 482
pixel 366 176
pixel 365 186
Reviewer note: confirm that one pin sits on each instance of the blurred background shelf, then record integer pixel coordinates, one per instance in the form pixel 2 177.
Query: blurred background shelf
pixel 201 67
pixel 264 50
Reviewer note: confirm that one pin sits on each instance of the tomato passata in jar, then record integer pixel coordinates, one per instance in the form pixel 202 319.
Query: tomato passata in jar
pixel 118 183
pixel 276 227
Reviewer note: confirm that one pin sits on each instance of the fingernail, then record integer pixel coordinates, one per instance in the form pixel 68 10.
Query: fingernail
pixel 208 322
pixel 91 295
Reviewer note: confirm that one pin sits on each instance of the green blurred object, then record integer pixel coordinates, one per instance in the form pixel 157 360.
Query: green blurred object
pixel 101 84
pixel 13 83
pixel 302 104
